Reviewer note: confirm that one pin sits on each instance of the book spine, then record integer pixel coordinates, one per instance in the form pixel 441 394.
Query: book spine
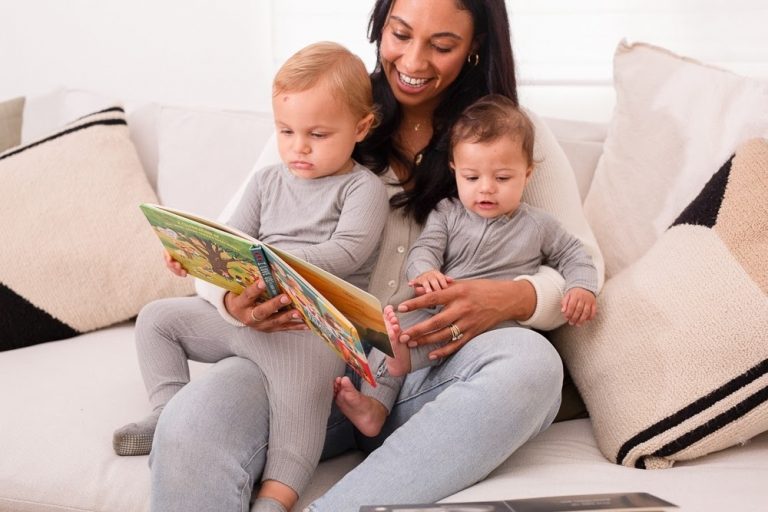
pixel 266 273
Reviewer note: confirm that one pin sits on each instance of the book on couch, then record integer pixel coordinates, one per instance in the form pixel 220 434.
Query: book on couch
pixel 340 313
pixel 616 502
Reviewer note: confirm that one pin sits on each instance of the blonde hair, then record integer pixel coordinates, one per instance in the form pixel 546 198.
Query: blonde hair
pixel 490 118
pixel 333 65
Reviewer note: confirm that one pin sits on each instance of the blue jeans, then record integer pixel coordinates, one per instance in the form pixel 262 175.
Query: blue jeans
pixel 451 426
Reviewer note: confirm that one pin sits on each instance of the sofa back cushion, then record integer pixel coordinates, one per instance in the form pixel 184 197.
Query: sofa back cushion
pixel 205 154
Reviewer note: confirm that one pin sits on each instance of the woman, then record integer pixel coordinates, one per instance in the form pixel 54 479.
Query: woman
pixel 497 389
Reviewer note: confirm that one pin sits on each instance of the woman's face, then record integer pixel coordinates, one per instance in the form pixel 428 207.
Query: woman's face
pixel 424 45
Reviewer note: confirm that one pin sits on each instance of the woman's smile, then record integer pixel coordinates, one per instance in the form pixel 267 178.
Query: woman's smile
pixel 410 81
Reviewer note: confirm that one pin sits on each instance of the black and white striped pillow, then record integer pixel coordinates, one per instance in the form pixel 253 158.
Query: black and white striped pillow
pixel 675 365
pixel 76 252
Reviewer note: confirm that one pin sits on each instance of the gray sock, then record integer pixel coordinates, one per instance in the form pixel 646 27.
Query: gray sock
pixel 136 438
pixel 267 505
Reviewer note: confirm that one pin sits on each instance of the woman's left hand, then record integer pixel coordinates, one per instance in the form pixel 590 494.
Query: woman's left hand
pixel 472 307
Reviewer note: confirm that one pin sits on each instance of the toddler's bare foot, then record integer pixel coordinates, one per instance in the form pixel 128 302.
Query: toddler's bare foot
pixel 365 413
pixel 401 363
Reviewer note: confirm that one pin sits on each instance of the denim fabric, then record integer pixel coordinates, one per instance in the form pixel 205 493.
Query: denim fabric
pixel 451 426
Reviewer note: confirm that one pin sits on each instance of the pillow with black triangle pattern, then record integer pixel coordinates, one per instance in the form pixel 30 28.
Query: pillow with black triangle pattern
pixel 675 365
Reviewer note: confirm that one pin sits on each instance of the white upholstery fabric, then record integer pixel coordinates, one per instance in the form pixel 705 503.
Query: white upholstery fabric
pixel 206 154
pixel 583 143
pixel 565 460
pixel 62 400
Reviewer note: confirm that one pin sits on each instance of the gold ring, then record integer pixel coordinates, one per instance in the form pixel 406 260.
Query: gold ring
pixel 257 320
pixel 456 333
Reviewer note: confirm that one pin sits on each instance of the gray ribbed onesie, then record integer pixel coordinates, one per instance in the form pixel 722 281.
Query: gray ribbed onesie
pixel 464 245
pixel 334 222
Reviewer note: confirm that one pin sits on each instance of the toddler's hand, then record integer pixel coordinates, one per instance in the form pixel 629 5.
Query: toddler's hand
pixel 431 280
pixel 173 265
pixel 579 306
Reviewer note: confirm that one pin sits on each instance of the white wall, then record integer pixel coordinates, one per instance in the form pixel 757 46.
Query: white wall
pixel 208 52
pixel 223 53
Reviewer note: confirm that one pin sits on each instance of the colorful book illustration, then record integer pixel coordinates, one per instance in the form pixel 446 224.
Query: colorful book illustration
pixel 339 313
pixel 615 502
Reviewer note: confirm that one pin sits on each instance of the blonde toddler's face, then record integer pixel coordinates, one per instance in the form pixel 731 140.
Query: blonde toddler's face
pixel 316 132
pixel 491 176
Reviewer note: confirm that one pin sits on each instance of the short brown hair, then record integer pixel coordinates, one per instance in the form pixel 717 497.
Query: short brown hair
pixel 491 117
pixel 341 70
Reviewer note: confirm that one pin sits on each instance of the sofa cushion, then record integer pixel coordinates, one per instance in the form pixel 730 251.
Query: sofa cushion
pixel 675 365
pixel 10 122
pixel 81 402
pixel 82 256
pixel 56 439
pixel 204 155
pixel 582 142
pixel 675 122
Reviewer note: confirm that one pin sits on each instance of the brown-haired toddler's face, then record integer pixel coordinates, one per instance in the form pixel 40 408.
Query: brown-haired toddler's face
pixel 491 176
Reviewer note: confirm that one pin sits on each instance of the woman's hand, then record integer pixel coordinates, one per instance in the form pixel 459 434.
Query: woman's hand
pixel 173 265
pixel 472 306
pixel 267 316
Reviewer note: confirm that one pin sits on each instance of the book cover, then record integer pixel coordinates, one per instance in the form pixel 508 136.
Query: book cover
pixel 611 502
pixel 341 314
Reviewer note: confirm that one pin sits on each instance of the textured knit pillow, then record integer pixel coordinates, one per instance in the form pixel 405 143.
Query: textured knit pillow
pixel 11 112
pixel 77 252
pixel 675 365
pixel 675 120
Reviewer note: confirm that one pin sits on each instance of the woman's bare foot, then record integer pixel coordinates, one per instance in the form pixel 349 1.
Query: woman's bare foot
pixel 365 413
pixel 401 363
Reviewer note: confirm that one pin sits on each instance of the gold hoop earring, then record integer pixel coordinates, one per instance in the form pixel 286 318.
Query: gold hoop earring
pixel 473 59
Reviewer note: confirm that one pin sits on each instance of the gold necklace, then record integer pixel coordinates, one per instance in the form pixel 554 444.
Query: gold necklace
pixel 417 126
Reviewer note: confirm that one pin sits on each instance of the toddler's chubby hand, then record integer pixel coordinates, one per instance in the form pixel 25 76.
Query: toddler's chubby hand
pixel 579 306
pixel 431 280
pixel 173 265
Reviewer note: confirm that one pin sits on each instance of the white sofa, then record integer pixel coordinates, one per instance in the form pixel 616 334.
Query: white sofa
pixel 61 400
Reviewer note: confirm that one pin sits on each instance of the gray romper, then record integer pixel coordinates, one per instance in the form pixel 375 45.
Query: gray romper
pixel 334 222
pixel 464 245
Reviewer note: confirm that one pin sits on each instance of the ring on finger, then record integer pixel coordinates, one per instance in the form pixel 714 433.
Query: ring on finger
pixel 253 316
pixel 456 333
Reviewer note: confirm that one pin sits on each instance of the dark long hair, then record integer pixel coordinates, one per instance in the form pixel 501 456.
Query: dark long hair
pixel 431 179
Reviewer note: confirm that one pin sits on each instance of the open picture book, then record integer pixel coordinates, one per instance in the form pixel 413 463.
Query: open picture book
pixel 341 314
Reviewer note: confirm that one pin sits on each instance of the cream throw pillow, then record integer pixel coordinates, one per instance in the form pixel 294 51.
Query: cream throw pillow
pixel 675 365
pixel 79 253
pixel 675 121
